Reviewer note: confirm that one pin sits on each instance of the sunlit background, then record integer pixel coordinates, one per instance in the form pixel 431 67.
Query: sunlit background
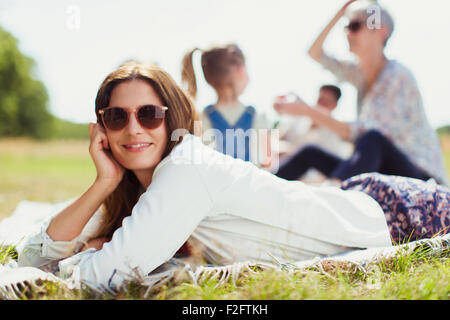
pixel 73 57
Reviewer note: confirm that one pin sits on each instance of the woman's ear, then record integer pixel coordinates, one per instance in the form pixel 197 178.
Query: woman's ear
pixel 241 70
pixel 383 34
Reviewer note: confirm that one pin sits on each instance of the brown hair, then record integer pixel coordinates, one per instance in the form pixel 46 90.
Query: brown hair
pixel 333 89
pixel 216 66
pixel 180 115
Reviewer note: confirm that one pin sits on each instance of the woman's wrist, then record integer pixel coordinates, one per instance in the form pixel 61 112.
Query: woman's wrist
pixel 69 223
pixel 105 184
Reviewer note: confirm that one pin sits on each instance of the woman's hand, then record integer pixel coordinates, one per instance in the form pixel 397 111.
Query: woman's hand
pixel 345 6
pixel 316 49
pixel 96 243
pixel 69 223
pixel 109 171
pixel 295 107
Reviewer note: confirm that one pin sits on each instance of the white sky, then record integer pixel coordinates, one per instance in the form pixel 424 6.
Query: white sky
pixel 274 36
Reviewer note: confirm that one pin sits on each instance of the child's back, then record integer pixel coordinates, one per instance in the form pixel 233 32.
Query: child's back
pixel 234 117
pixel 232 126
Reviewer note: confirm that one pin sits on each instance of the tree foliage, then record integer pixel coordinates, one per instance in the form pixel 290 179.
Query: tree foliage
pixel 23 98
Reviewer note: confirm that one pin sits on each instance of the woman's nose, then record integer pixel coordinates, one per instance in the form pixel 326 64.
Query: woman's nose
pixel 133 126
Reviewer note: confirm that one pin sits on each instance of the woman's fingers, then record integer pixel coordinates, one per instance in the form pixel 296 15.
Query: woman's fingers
pixel 90 130
pixel 348 3
pixel 108 169
pixel 277 107
pixel 99 140
pixel 96 243
pixel 96 131
pixel 94 128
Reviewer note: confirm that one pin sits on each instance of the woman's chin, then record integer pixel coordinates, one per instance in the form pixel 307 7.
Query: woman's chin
pixel 138 164
pixel 140 167
pixel 146 162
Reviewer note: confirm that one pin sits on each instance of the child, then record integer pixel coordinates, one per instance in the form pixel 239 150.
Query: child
pixel 296 138
pixel 228 119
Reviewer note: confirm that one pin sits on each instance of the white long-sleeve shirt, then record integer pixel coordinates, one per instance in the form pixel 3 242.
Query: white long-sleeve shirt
pixel 236 210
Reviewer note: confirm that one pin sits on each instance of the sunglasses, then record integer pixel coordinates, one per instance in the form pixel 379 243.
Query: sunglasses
pixel 149 116
pixel 354 26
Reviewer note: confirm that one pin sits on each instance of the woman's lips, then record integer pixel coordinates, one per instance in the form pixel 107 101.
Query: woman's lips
pixel 137 147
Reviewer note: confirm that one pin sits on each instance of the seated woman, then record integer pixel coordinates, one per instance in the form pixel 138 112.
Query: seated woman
pixel 160 185
pixel 392 134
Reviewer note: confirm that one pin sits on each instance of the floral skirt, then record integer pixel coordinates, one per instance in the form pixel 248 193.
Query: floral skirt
pixel 414 209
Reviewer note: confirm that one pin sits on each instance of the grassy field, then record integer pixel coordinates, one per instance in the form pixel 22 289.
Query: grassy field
pixel 42 171
pixel 62 169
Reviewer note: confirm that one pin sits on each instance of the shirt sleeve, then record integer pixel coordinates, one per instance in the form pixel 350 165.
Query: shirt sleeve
pixel 343 70
pixel 39 249
pixel 161 221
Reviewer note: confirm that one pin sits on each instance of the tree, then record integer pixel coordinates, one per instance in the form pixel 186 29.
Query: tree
pixel 23 98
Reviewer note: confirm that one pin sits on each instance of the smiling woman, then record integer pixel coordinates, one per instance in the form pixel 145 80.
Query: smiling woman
pixel 158 196
pixel 137 142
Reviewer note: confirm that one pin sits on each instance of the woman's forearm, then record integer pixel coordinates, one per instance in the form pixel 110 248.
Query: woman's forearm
pixel 342 129
pixel 69 223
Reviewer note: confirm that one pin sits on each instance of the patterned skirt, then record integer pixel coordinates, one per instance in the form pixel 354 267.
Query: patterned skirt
pixel 414 209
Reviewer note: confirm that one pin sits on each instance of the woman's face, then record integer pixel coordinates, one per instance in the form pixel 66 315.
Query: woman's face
pixel 131 95
pixel 364 40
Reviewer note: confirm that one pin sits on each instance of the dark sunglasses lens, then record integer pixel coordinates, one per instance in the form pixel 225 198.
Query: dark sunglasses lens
pixel 150 116
pixel 354 26
pixel 115 118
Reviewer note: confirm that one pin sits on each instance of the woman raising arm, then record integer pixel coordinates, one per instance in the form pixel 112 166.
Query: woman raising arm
pixel 392 134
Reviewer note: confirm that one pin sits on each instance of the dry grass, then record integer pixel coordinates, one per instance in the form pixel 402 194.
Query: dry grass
pixel 25 147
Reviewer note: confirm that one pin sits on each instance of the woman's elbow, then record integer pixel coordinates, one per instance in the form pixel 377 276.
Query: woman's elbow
pixel 315 54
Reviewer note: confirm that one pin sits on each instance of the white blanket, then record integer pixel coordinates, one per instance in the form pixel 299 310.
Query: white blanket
pixel 28 215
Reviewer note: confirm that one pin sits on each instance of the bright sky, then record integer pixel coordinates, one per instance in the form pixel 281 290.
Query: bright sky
pixel 274 35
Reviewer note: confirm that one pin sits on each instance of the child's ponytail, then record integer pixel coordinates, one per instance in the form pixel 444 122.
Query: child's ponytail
pixel 188 73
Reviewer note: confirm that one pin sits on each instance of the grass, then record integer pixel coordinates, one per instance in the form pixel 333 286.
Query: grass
pixel 63 129
pixel 42 171
pixel 57 170
pixel 412 276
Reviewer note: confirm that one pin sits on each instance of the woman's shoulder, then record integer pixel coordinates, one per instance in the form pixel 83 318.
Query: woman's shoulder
pixel 183 150
pixel 190 152
pixel 191 163
pixel 400 71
